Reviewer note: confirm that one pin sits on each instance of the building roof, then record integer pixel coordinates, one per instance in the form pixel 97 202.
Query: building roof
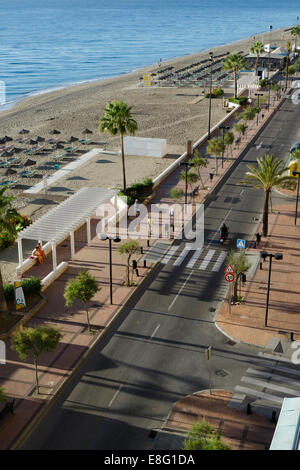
pixel 286 435
pixel 67 216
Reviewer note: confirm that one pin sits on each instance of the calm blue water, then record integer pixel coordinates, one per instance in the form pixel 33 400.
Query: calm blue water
pixel 52 43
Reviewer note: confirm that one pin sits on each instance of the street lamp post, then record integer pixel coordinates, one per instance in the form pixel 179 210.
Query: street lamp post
pixel 223 128
pixel 296 173
pixel 210 90
pixel 269 67
pixel 104 237
pixel 187 165
pixel 258 95
pixel 265 255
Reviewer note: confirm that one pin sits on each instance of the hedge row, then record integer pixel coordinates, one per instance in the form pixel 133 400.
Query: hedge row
pixel 31 285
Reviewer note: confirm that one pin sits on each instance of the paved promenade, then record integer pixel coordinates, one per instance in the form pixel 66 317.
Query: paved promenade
pixel 54 368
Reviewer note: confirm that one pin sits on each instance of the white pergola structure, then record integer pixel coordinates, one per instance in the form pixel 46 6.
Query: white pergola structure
pixel 62 221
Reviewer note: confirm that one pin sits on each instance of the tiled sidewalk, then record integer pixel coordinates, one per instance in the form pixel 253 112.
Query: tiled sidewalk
pixel 17 377
pixel 239 430
pixel 246 322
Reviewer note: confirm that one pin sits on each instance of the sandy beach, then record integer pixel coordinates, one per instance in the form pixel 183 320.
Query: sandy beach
pixel 175 114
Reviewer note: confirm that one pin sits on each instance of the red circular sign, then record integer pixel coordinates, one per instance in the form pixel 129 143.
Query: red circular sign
pixel 229 277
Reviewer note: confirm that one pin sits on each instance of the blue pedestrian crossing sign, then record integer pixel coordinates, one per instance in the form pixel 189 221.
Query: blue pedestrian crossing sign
pixel 241 243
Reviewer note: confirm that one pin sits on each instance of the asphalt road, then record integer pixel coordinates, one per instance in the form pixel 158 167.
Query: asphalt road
pixel 154 355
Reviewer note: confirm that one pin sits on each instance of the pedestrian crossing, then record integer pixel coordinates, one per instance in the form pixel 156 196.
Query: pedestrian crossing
pixel 202 259
pixel 273 379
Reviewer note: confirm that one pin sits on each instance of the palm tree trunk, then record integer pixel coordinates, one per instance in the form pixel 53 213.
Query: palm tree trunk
pixel 200 178
pixel 36 375
pixel 235 290
pixel 256 65
pixel 216 166
pixel 3 305
pixel 287 71
pixel 87 317
pixel 128 271
pixel 123 161
pixel 266 213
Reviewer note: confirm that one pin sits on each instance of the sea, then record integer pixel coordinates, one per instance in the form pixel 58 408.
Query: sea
pixel 51 44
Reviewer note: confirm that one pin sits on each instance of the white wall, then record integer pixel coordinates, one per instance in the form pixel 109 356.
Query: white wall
pixel 144 147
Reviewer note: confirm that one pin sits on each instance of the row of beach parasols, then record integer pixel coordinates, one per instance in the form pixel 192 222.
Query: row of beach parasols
pixel 6 139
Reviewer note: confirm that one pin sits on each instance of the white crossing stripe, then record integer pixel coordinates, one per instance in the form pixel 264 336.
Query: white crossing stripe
pixel 275 358
pixel 278 378
pixel 219 261
pixel 194 258
pixel 169 255
pixel 264 384
pixel 181 257
pixel 207 259
pixel 278 368
pixel 257 394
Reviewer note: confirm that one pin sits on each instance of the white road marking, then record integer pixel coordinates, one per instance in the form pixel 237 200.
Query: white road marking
pixel 169 255
pixel 275 358
pixel 181 257
pixel 264 384
pixel 257 394
pixel 281 368
pixel 278 378
pixel 154 331
pixel 115 396
pixel 194 258
pixel 180 290
pixel 207 259
pixel 242 192
pixel 219 261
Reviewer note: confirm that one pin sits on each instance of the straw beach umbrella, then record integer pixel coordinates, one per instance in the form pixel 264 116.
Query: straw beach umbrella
pixel 54 132
pixel 73 139
pixel 24 131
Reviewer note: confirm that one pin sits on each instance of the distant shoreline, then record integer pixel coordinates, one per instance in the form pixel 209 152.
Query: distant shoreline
pixel 60 87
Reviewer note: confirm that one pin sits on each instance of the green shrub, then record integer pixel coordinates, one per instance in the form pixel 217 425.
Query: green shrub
pixel 148 182
pixel 6 239
pixel 263 82
pixel 9 291
pixel 31 285
pixel 215 92
pixel 242 100
pixel 138 191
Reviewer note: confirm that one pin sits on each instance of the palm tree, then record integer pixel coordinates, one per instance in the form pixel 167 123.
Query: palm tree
pixel 7 212
pixel 215 148
pixel 295 31
pixel 257 48
pixel 234 63
pixel 117 119
pixel 199 163
pixel 268 175
pixel 289 48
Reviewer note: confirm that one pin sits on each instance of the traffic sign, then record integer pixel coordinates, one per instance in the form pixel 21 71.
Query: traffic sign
pixel 229 269
pixel 229 277
pixel 241 243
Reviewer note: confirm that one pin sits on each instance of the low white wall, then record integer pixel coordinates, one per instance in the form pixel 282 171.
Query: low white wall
pixel 145 147
pixel 54 275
